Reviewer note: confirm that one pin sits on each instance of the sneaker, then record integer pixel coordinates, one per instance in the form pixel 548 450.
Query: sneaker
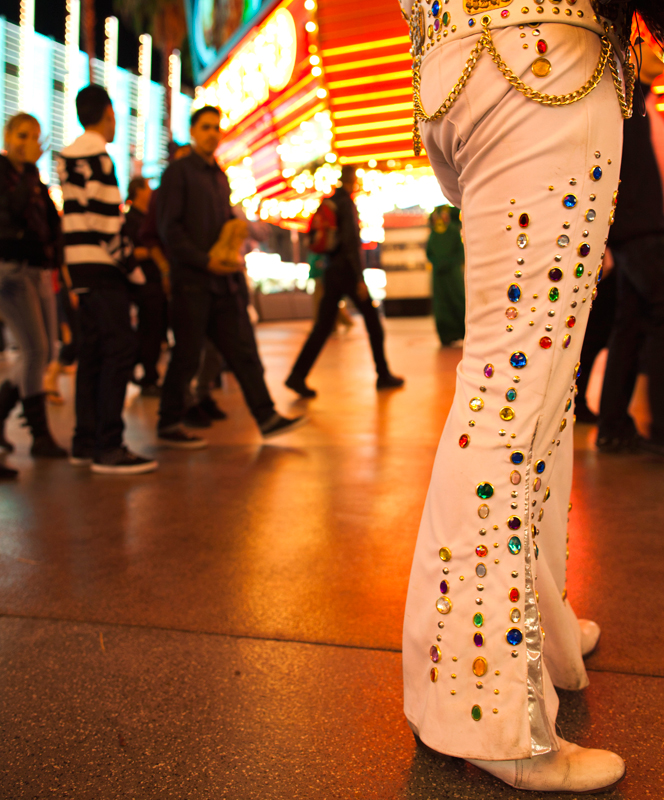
pixel 196 417
pixel 151 390
pixel 277 425
pixel 178 438
pixel 122 461
pixel 389 381
pixel 81 456
pixel 619 444
pixel 298 384
pixel 211 408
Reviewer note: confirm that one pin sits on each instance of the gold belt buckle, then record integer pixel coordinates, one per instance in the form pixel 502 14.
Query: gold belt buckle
pixel 477 6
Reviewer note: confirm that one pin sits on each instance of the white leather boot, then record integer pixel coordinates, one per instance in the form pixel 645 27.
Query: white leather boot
pixel 590 633
pixel 571 769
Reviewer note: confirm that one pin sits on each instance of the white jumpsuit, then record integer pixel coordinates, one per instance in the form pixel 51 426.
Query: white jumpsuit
pixel 536 187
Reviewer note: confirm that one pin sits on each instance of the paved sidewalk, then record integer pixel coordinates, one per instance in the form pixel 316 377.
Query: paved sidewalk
pixel 229 626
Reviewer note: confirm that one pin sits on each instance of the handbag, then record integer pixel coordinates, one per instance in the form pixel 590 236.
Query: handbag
pixel 227 250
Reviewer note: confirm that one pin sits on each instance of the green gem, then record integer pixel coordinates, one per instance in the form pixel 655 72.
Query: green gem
pixel 478 620
pixel 446 18
pixel 485 491
pixel 511 395
pixel 554 294
pixel 568 405
pixel 579 271
pixel 476 713
pixel 514 545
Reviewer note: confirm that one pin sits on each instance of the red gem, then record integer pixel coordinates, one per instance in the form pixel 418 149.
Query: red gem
pixel 464 440
pixel 571 322
pixel 504 13
pixel 545 342
pixel 524 220
pixel 542 46
pixel 514 595
pixel 481 550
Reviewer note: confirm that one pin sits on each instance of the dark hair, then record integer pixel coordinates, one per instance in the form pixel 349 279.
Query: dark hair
pixel 204 110
pixel 348 173
pixel 135 184
pixel 91 103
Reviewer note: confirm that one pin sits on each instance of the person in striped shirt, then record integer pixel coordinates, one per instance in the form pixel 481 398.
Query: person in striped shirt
pixel 101 265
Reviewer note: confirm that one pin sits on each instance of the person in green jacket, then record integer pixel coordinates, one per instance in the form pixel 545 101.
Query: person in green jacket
pixel 446 254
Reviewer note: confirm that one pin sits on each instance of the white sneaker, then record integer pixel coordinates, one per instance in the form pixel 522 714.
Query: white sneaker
pixel 571 769
pixel 590 633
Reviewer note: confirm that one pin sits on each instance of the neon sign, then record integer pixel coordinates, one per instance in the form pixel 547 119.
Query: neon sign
pixel 263 64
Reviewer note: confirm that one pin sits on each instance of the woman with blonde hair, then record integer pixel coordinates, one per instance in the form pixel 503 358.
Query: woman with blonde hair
pixel 30 241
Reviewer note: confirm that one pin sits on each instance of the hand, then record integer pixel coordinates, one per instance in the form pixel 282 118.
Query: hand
pixel 215 265
pixel 362 290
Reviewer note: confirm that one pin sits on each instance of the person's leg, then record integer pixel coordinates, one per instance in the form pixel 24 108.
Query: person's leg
pixel 151 317
pixel 117 353
pixel 334 290
pixel 190 309
pixel 374 328
pixel 522 173
pixel 212 364
pixel 87 378
pixel 230 331
pixel 616 426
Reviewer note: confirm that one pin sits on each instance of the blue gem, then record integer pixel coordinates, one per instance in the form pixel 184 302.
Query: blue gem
pixel 536 551
pixel 517 457
pixel 540 467
pixel 514 545
pixel 471 23
pixel 596 173
pixel 511 395
pixel 514 293
pixel 569 201
pixel 514 636
pixel 435 8
pixel 518 360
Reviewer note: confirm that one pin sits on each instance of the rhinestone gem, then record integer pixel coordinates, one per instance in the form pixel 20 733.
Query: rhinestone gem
pixel 511 313
pixel 476 713
pixel 478 620
pixel 579 271
pixel 517 457
pixel 480 667
pixel 591 215
pixel 446 18
pixel 510 395
pixel 598 276
pixel 444 605
pixel 522 240
pixel 482 550
pixel 484 491
pixel 596 173
pixel 568 405
pixel 483 511
pixel 514 545
pixel 570 200
pixel 515 477
pixel 563 240
pixel 476 404
pixel 518 360
pixel 537 485
pixel 478 639
pixel 514 636
pixel 435 8
pixel 567 340
pixel 480 570
pixel 514 293
pixel 514 595
pixel 488 371
pixel 542 46
pixel 435 653
pixel 464 440
pixel 524 220
pixel 434 674
pixel 514 523
pixel 444 587
pixel 545 342
pixel 541 67
pixel 554 294
pixel 555 274
pixel 445 554
pixel 584 249
pixel 540 466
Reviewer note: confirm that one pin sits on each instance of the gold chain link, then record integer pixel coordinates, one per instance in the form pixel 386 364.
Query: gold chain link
pixel 607 56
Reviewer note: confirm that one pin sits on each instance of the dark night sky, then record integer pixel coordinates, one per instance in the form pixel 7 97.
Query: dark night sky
pixel 50 20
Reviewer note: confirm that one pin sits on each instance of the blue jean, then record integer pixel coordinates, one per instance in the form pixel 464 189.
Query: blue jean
pixel 21 309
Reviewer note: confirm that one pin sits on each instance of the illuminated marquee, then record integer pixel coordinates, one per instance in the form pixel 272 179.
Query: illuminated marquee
pixel 265 63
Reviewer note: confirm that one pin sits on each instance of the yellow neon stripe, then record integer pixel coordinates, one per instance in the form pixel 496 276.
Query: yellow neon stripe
pixel 406 91
pixel 386 109
pixel 294 123
pixel 660 106
pixel 364 157
pixel 290 92
pixel 372 126
pixel 368 62
pixel 393 137
pixel 658 89
pixel 362 47
pixel 388 76
pixel 294 106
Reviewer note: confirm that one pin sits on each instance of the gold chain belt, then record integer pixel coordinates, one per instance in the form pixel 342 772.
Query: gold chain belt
pixel 607 56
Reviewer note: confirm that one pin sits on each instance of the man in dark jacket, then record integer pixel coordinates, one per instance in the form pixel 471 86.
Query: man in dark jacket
pixel 343 278
pixel 192 207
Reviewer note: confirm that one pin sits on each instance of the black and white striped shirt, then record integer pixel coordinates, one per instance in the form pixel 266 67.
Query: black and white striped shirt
pixel 95 249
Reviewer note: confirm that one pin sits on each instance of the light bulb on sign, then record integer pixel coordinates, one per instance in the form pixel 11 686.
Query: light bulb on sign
pixel 316 72
pixel 310 27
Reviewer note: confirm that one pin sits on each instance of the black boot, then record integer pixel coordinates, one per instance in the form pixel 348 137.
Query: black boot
pixel 8 399
pixel 43 445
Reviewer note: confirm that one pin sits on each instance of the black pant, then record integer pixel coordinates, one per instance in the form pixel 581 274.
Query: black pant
pixel 222 316
pixel 151 301
pixel 637 337
pixel 598 332
pixel 105 361
pixel 340 281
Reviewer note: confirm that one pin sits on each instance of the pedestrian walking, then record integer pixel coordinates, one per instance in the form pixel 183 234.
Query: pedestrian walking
pixel 100 263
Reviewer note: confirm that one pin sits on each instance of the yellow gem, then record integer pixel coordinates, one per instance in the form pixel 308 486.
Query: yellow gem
pixel 476 404
pixel 445 553
pixel 480 666
pixel 506 413
pixel 541 67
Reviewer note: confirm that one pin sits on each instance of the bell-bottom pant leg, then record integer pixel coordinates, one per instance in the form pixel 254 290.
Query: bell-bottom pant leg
pixel 535 184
